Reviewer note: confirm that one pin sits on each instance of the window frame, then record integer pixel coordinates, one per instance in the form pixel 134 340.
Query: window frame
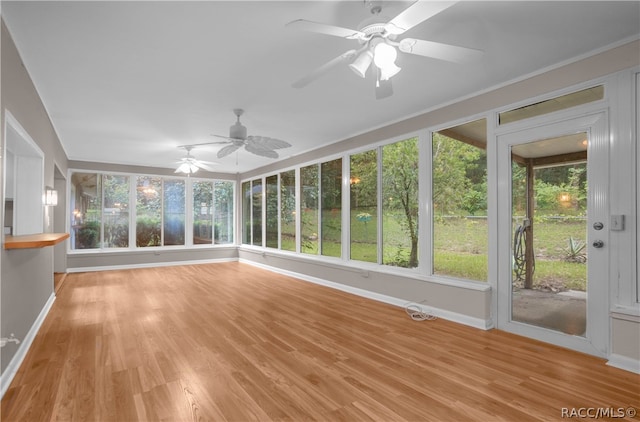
pixel 132 248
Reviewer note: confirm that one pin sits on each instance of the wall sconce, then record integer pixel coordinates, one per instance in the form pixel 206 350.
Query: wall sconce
pixel 51 198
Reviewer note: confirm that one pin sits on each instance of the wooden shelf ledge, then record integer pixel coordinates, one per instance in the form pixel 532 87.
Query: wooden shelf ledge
pixel 34 240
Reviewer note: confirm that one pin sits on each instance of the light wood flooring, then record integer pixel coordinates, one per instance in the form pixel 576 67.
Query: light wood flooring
pixel 231 342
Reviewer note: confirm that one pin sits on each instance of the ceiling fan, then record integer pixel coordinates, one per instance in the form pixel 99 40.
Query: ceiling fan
pixel 377 38
pixel 189 165
pixel 259 145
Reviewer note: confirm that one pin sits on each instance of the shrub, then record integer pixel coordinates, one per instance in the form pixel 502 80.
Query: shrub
pixel 147 231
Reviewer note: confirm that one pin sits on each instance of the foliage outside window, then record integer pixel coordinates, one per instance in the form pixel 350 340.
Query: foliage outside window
pixel 116 211
pixel 223 212
pixel 363 183
pixel 272 211
pixel 86 210
pixel 331 218
pixel 288 210
pixel 256 205
pixel 459 198
pixel 202 213
pixel 148 211
pixel 400 203
pixel 309 209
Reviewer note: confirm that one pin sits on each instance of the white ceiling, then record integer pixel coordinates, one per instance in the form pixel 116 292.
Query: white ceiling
pixel 127 82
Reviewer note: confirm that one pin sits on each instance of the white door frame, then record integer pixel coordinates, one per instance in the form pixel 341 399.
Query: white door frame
pixel 595 124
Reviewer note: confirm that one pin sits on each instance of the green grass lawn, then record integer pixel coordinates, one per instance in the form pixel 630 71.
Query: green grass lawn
pixel 460 246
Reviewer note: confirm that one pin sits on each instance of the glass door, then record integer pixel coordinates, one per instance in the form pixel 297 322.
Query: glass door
pixel 549 231
pixel 553 231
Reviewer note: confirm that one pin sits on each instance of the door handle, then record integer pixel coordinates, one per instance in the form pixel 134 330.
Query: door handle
pixel 598 244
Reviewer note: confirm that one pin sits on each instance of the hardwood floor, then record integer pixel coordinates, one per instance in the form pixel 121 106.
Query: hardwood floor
pixel 233 342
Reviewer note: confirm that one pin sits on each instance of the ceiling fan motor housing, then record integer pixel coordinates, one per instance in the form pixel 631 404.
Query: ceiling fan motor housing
pixel 238 131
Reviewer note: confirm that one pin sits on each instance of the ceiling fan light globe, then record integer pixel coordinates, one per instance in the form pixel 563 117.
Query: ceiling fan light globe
pixel 362 63
pixel 384 55
pixel 183 168
pixel 389 71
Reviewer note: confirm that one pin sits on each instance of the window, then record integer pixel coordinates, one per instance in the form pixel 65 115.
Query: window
pixel 309 226
pixel 212 212
pixel 400 204
pixel 256 209
pixel 459 198
pixel 148 211
pixel 383 205
pixel 331 218
pixel 288 210
pixel 223 212
pixel 101 215
pixel 116 211
pixel 202 213
pixel 86 210
pixel 364 206
pixel 272 211
pixel 246 213
pixel 174 212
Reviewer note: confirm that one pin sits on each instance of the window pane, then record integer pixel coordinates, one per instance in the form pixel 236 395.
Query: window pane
pixel 288 210
pixel 331 205
pixel 202 213
pixel 116 211
pixel 246 213
pixel 272 211
pixel 400 204
pixel 364 206
pixel 223 206
pixel 86 207
pixel 174 202
pixel 460 232
pixel 148 211
pixel 309 209
pixel 256 204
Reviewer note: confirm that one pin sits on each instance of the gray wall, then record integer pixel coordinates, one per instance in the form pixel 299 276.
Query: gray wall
pixel 27 275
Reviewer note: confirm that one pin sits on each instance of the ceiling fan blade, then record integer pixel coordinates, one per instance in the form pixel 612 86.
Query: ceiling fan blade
pixel 322 28
pixel 267 143
pixel 436 50
pixel 228 150
pixel 324 69
pixel 205 166
pixel 384 88
pixel 415 14
pixel 252 148
pixel 219 136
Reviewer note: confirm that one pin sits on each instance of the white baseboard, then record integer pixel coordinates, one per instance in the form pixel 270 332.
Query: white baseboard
pixel 149 265
pixel 440 313
pixel 623 362
pixel 25 344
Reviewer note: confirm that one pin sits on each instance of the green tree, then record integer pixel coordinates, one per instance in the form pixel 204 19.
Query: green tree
pixel 452 160
pixel 400 188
